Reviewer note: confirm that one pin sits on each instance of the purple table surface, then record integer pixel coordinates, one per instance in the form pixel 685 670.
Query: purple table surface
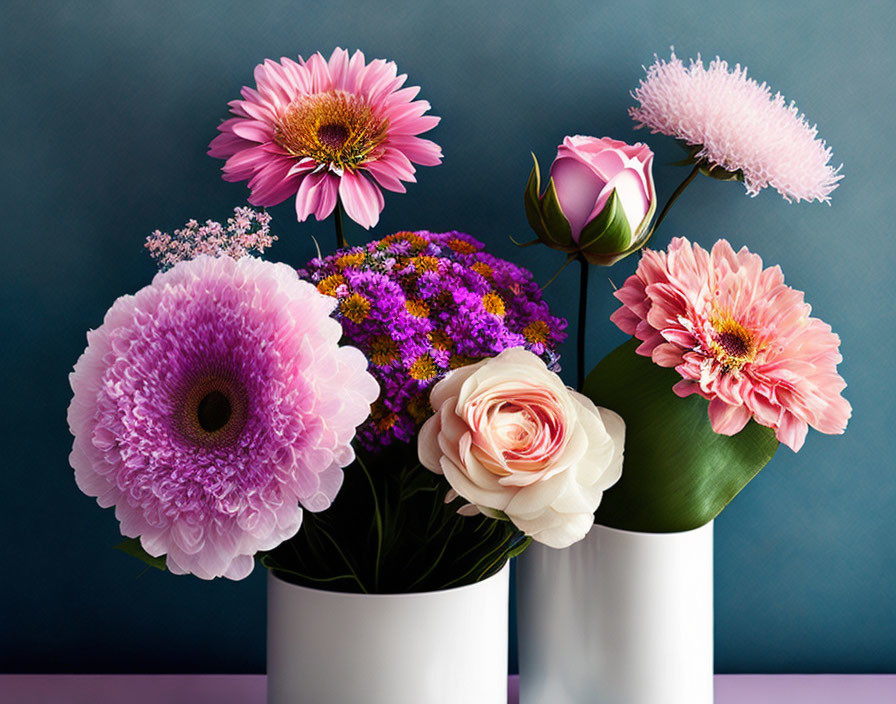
pixel 250 689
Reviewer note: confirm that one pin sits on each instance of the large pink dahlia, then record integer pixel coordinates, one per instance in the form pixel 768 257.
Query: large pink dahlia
pixel 319 129
pixel 212 403
pixel 737 124
pixel 739 337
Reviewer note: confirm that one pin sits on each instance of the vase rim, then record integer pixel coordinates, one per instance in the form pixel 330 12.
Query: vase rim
pixel 396 595
pixel 638 532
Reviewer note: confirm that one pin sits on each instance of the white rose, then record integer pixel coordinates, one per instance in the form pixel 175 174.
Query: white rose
pixel 510 438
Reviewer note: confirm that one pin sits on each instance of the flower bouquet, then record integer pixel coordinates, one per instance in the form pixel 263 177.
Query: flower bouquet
pixel 382 428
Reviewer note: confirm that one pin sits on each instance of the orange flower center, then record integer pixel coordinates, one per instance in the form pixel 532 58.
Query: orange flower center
pixel 329 285
pixel 462 246
pixel 440 340
pixel 356 308
pixel 483 269
pixel 537 332
pixel 422 368
pixel 334 128
pixel 417 308
pixel 493 303
pixel 383 350
pixel 352 260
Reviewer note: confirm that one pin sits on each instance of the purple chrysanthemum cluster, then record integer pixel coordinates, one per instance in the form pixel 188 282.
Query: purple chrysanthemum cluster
pixel 420 304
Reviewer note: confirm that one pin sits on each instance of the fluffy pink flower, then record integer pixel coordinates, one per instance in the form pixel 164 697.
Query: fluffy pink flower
pixel 212 403
pixel 321 129
pixel 738 125
pixel 739 337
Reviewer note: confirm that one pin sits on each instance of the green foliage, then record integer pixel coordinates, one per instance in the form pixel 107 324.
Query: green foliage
pixel 716 172
pixel 390 531
pixel 132 547
pixel 678 474
pixel 545 215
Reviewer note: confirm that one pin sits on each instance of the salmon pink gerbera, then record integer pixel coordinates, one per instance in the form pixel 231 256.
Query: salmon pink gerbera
pixel 735 123
pixel 739 337
pixel 322 130
pixel 210 405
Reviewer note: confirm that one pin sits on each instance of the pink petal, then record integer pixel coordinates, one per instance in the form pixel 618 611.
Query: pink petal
pixel 725 419
pixel 385 176
pixel 625 320
pixel 792 431
pixel 362 199
pixel 418 150
pixel 666 355
pixel 226 145
pixel 253 130
pixel 578 188
pixel 317 196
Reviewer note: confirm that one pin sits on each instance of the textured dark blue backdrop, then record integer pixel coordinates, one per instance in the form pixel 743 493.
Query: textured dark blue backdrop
pixel 109 108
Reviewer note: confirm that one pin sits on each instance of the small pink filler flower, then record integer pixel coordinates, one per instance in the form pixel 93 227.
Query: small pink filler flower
pixel 321 129
pixel 739 337
pixel 738 125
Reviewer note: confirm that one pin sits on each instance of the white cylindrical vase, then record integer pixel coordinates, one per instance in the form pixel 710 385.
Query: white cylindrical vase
pixel 441 647
pixel 618 618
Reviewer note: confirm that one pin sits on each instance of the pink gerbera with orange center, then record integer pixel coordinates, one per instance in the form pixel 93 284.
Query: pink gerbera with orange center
pixel 739 337
pixel 326 130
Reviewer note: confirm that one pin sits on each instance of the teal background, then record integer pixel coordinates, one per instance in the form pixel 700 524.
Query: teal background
pixel 109 107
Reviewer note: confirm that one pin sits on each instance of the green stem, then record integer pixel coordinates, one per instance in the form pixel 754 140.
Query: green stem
pixel 678 191
pixel 337 218
pixel 435 562
pixel 569 259
pixel 583 306
pixel 347 562
pixel 379 525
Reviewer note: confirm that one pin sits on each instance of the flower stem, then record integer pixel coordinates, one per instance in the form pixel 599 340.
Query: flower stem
pixel 678 191
pixel 337 218
pixel 379 525
pixel 569 259
pixel 583 305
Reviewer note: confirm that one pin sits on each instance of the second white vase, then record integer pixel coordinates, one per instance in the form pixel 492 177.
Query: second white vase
pixel 618 618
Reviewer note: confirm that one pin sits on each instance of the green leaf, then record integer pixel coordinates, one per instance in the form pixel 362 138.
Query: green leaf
pixel 556 224
pixel 609 232
pixel 678 474
pixel 716 172
pixel 520 548
pixel 720 174
pixel 132 547
pixel 533 202
pixel 544 214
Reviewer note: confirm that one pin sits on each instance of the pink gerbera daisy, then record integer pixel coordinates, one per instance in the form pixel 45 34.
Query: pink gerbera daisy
pixel 737 124
pixel 322 130
pixel 210 405
pixel 739 337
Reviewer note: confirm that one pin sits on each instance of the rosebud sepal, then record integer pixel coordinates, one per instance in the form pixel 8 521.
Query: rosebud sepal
pixel 545 215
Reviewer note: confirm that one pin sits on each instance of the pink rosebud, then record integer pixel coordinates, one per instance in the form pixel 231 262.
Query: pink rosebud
pixel 517 444
pixel 600 199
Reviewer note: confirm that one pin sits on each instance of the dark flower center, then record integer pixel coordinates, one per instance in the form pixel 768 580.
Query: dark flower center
pixel 214 411
pixel 333 136
pixel 211 409
pixel 733 344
